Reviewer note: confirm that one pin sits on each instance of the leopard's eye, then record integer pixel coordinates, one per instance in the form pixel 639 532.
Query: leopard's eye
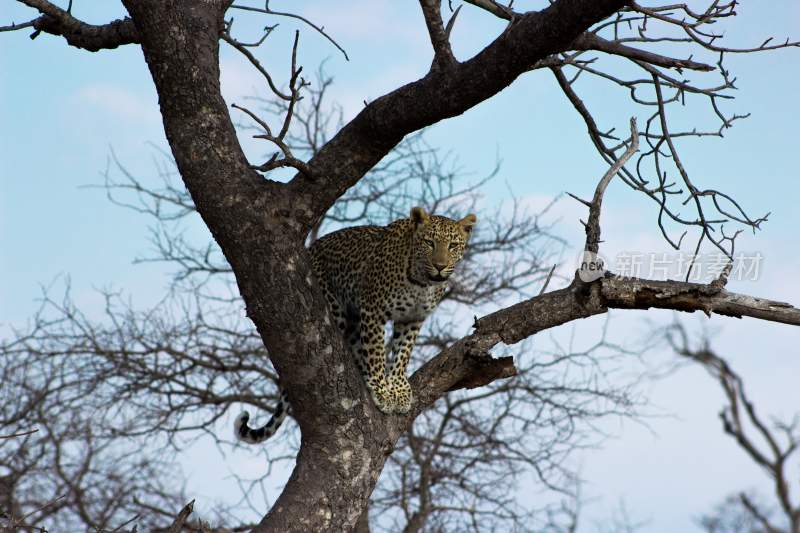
pixel 429 242
pixel 453 245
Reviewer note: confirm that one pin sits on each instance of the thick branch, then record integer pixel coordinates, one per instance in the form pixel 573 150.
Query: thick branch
pixel 57 21
pixel 592 41
pixel 442 94
pixel 627 293
pixel 466 360
pixel 261 226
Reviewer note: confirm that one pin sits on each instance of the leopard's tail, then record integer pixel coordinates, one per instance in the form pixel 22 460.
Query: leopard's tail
pixel 247 434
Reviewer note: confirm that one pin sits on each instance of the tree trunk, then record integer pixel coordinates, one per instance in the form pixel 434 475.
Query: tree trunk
pixel 344 442
pixel 261 227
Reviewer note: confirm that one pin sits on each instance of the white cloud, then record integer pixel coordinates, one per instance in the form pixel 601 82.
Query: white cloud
pixel 119 102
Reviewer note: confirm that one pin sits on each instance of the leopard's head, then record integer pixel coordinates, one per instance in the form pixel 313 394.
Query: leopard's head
pixel 438 244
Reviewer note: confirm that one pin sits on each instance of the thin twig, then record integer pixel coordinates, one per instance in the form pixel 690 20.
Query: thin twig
pixel 21 434
pixel 547 280
pixel 266 10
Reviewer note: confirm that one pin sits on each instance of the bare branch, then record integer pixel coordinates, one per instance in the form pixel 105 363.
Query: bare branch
pixel 769 448
pixel 693 24
pixel 15 27
pixel 174 372
pixel 591 41
pixel 296 85
pixel 495 8
pixel 267 11
pixel 57 21
pixel 547 280
pixel 255 62
pixel 183 515
pixel 593 222
pixel 441 94
pixel 466 357
pixel 443 54
pixel 19 434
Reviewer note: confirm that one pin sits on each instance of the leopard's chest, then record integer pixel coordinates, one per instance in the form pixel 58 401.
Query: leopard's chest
pixel 412 303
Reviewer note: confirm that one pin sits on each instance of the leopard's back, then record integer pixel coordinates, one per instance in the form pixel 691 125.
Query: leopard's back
pixel 343 259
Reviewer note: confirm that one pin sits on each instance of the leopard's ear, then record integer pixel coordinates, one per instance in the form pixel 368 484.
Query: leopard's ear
pixel 467 223
pixel 419 216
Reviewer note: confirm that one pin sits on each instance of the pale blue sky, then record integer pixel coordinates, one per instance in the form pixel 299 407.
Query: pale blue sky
pixel 63 109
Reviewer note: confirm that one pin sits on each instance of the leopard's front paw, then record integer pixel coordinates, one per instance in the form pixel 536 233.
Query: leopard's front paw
pixel 401 392
pixel 379 390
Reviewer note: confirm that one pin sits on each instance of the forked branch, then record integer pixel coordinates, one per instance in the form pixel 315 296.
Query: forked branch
pixel 595 206
pixel 769 445
pixel 296 85
pixel 268 11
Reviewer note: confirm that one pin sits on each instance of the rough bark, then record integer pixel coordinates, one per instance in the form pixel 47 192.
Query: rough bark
pixel 444 92
pixel 261 228
pixel 257 230
pixel 91 37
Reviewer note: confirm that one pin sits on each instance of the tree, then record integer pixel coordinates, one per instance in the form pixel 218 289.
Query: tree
pixel 261 226
pixel 771 446
pixel 179 366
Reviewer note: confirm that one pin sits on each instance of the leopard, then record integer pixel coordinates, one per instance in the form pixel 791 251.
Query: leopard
pixel 372 275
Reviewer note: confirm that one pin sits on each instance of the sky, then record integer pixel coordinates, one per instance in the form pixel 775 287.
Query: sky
pixel 63 110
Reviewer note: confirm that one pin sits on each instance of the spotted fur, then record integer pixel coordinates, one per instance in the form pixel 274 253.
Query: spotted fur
pixel 372 275
pixel 247 434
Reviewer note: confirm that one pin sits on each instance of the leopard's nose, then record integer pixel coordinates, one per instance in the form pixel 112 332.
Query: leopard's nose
pixel 439 265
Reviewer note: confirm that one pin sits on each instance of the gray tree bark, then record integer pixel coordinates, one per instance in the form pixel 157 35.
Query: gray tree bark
pixel 261 227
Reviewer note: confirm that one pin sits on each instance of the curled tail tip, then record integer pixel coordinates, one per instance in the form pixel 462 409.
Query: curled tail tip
pixel 239 424
pixel 242 420
pixel 244 433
